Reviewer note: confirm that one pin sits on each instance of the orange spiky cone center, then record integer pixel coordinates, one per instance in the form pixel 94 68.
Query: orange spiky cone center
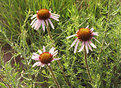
pixel 84 34
pixel 45 57
pixel 43 14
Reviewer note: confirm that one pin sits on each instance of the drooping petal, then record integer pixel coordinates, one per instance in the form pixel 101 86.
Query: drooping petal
pixel 36 64
pixel 92 29
pixel 35 54
pixel 95 33
pixel 74 42
pixel 89 46
pixel 55 53
pixel 56 59
pixel 87 26
pixel 35 15
pixel 95 39
pixel 51 23
pixel 54 17
pixel 38 24
pixel 33 25
pixel 52 50
pixel 40 52
pixel 76 46
pixel 92 44
pixel 42 65
pixel 86 47
pixel 35 57
pixel 44 49
pixel 82 47
pixel 48 64
pixel 43 25
pixel 33 21
pixel 46 22
pixel 70 36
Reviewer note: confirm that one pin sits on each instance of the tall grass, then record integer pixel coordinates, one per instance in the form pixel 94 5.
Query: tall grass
pixel 104 61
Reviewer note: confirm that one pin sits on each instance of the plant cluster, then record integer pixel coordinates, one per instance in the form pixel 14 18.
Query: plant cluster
pixel 34 33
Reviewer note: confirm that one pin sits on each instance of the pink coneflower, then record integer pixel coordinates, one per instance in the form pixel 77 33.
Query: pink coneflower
pixel 84 35
pixel 44 58
pixel 43 16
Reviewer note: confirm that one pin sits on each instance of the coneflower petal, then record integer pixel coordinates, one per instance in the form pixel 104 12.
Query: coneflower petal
pixel 33 25
pixel 43 25
pixel 95 39
pixel 92 44
pixel 92 29
pixel 82 47
pixel 89 46
pixel 55 53
pixel 35 15
pixel 48 64
pixel 46 22
pixel 38 24
pixel 44 49
pixel 76 46
pixel 54 17
pixel 40 52
pixel 87 26
pixel 51 23
pixel 86 47
pixel 74 42
pixel 56 59
pixel 95 33
pixel 33 21
pixel 36 64
pixel 70 36
pixel 51 50
pixel 42 65
pixel 35 57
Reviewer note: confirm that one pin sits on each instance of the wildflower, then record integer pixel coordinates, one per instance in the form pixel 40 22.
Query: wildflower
pixel 43 17
pixel 44 58
pixel 84 35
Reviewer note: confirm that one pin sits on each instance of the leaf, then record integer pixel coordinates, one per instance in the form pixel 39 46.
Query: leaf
pixel 2 85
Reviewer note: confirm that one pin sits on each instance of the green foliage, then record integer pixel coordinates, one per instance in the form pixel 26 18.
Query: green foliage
pixel 9 76
pixel 104 61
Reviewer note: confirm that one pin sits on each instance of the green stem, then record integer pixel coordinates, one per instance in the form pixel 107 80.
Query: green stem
pixel 59 63
pixel 85 57
pixel 52 73
pixel 48 30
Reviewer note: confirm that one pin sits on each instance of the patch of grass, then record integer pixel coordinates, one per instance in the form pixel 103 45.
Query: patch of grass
pixel 104 61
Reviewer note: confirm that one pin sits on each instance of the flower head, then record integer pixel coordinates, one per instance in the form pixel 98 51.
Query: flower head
pixel 44 58
pixel 84 35
pixel 43 17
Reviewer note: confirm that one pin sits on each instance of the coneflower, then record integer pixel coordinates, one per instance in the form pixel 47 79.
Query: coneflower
pixel 84 35
pixel 45 58
pixel 42 17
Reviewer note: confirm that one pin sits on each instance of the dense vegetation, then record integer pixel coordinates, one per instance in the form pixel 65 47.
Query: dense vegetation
pixel 18 40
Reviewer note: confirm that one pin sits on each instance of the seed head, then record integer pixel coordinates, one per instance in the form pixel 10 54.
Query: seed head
pixel 45 58
pixel 43 14
pixel 84 34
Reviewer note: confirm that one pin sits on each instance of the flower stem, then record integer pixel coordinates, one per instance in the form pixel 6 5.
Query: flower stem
pixel 59 63
pixel 85 57
pixel 52 73
pixel 48 30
